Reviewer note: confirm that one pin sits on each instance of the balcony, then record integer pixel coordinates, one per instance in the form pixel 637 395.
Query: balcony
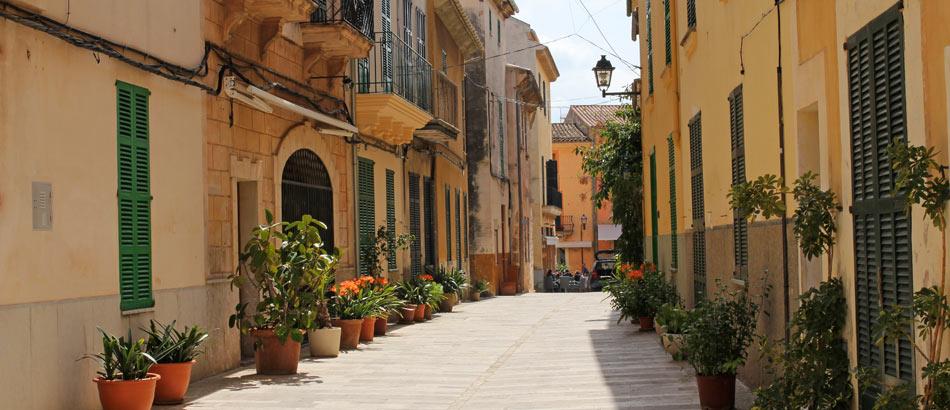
pixel 338 30
pixel 445 126
pixel 394 86
pixel 564 224
pixel 552 203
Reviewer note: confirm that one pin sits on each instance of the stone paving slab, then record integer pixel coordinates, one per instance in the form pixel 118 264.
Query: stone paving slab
pixel 534 351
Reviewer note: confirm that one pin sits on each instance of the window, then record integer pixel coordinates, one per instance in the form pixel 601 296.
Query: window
pixel 882 228
pixel 489 23
pixel 699 207
pixel 135 197
pixel 428 197
pixel 448 223
pixel 691 14
pixel 415 223
pixel 673 241
pixel 740 225
pixel 391 216
pixel 650 45
pixel 499 31
pixel 501 136
pixel 366 209
pixel 386 51
pixel 666 28
pixel 458 227
pixel 420 32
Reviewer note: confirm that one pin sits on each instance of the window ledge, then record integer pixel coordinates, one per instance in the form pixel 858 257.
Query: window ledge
pixel 217 279
pixel 138 311
pixel 739 282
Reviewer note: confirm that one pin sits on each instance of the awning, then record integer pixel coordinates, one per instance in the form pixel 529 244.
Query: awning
pixel 574 244
pixel 608 232
pixel 551 240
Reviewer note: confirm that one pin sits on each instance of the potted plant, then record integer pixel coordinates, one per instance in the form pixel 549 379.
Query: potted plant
pixel 674 320
pixel 383 244
pixel 410 292
pixel 349 306
pixel 639 293
pixel 453 281
pixel 479 287
pixel 175 352
pixel 323 337
pixel 284 262
pixel 124 382
pixel 715 343
pixel 435 296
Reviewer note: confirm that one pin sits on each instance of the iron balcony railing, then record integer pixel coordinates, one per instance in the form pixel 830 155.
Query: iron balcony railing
pixel 446 95
pixel 394 67
pixel 564 223
pixel 357 13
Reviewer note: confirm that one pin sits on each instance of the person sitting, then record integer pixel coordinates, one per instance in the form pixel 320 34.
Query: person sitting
pixel 577 276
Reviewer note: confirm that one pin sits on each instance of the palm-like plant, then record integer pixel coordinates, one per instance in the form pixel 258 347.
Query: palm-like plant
pixel 122 358
pixel 168 345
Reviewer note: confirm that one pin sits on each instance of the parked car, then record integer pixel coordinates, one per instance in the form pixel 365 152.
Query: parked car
pixel 604 262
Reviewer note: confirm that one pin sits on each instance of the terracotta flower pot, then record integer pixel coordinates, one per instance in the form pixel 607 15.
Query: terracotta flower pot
pixel 274 357
pixel 350 332
pixel 447 304
pixel 325 342
pixel 408 313
pixel 717 392
pixel 673 343
pixel 646 323
pixel 428 312
pixel 476 296
pixel 420 313
pixel 367 329
pixel 127 394
pixel 380 327
pixel 173 383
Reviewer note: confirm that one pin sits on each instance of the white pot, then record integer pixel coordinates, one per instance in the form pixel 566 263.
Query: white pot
pixel 325 342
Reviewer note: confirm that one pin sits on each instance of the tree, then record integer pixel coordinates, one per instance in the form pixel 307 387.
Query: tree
pixel 616 164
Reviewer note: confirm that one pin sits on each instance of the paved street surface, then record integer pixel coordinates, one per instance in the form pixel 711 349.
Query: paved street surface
pixel 534 351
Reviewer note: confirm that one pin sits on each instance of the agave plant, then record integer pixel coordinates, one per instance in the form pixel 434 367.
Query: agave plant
pixel 168 345
pixel 122 358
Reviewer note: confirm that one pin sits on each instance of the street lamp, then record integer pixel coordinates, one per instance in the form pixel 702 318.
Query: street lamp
pixel 583 228
pixel 603 72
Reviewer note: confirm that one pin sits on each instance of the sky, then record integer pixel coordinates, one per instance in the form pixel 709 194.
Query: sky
pixel 574 55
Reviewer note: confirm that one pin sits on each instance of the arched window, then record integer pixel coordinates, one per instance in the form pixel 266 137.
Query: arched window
pixel 305 189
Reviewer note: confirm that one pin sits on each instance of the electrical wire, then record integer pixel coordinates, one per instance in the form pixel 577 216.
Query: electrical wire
pixel 602 33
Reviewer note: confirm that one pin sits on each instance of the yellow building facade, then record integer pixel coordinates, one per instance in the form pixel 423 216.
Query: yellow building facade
pixel 714 113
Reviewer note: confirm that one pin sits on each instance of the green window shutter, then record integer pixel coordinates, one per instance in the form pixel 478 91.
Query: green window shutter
pixel 691 13
pixel 740 225
pixel 458 227
pixel 134 197
pixel 654 214
pixel 391 216
pixel 465 218
pixel 448 223
pixel 415 248
pixel 429 214
pixel 699 206
pixel 673 236
pixel 501 136
pixel 666 27
pixel 650 45
pixel 366 209
pixel 882 229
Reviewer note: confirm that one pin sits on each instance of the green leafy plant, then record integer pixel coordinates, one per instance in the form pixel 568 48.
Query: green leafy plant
pixel 434 294
pixel 381 246
pixel 616 166
pixel 639 293
pixel 562 267
pixel 814 219
pixel 812 367
pixel 480 286
pixel 721 330
pixel 760 197
pixel 413 291
pixel 452 279
pixel 674 318
pixel 122 358
pixel 920 180
pixel 288 266
pixel 169 345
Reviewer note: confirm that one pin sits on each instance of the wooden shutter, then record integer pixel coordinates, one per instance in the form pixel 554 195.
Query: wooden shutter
pixel 134 197
pixel 386 50
pixel 415 248
pixel 501 136
pixel 740 225
pixel 650 45
pixel 367 208
pixel 666 27
pixel 448 223
pixel 458 227
pixel 673 236
pixel 691 13
pixel 430 228
pixel 391 216
pixel 699 207
pixel 882 228
pixel 654 214
pixel 465 218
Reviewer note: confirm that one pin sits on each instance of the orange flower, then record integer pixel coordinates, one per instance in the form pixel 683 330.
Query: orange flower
pixel 382 281
pixel 426 277
pixel 635 275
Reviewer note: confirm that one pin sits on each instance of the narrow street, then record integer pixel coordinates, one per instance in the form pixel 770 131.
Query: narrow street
pixel 541 351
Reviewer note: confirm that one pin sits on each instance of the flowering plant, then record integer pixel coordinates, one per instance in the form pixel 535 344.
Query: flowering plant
pixel 639 292
pixel 363 297
pixel 426 277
